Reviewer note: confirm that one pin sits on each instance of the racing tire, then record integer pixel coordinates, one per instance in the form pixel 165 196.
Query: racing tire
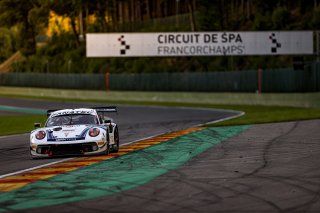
pixel 117 141
pixel 107 151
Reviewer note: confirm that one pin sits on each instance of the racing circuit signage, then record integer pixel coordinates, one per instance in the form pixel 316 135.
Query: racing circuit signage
pixel 199 44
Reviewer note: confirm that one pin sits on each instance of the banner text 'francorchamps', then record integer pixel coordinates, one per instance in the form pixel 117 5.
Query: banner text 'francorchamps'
pixel 199 44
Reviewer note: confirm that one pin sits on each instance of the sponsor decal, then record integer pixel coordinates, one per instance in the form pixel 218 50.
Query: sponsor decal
pixel 72 112
pixel 82 136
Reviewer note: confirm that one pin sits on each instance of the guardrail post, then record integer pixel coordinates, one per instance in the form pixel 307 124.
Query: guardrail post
pixel 107 78
pixel 259 80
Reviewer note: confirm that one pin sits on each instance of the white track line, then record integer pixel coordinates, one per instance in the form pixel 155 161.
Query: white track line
pixel 52 163
pixel 225 119
pixel 33 168
pixel 210 122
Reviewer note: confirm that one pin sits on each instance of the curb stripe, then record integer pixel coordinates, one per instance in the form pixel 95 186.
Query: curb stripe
pixel 107 178
pixel 13 182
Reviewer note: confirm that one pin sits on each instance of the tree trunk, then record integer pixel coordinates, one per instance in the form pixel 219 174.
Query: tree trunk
pixel 191 12
pixel 27 44
pixel 242 7
pixel 165 8
pixel 101 14
pixel 34 42
pixel 74 30
pixel 149 15
pixel 225 14
pixel 221 19
pixel 132 11
pixel 248 9
pixel 138 11
pixel 158 9
pixel 232 7
pixel 115 15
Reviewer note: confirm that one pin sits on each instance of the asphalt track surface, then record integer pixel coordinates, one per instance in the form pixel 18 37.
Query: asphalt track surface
pixel 267 168
pixel 135 122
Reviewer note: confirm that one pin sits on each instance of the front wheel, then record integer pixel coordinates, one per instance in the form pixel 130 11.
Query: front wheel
pixel 107 151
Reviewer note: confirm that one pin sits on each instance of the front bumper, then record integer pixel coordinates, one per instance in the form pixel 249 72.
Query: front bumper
pixel 55 150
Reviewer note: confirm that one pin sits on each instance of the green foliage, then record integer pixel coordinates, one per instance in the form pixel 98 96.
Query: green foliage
pixel 316 18
pixel 7 44
pixel 262 22
pixel 38 17
pixel 268 114
pixel 65 53
pixel 264 6
pixel 66 7
pixel 19 124
pixel 208 13
pixel 280 18
pixel 30 16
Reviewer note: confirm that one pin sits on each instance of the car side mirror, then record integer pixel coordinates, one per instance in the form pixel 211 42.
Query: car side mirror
pixel 37 125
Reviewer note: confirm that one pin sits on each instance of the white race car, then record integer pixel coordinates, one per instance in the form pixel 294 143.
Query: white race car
pixel 83 131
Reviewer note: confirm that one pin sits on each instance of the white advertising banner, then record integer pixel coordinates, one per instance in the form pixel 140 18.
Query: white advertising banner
pixel 199 44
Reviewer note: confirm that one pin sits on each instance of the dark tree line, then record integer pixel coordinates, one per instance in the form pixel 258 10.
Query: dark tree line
pixel 30 17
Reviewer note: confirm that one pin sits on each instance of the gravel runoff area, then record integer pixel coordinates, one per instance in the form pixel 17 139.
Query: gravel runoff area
pixel 268 168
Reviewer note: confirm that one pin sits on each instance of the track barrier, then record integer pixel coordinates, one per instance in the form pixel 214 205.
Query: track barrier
pixel 260 80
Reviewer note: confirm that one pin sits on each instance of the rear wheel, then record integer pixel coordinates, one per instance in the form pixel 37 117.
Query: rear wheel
pixel 116 140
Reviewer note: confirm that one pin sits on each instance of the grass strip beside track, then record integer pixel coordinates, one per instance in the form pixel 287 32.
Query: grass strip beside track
pixel 10 125
pixel 115 175
pixel 253 115
pixel 256 106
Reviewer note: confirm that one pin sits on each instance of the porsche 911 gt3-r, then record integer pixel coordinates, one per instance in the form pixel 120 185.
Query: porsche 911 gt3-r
pixel 82 131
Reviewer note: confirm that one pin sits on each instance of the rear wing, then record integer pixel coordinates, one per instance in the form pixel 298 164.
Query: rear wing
pixel 105 109
pixel 102 110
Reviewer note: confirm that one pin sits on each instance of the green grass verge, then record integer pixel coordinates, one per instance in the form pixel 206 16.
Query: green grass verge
pixel 259 108
pixel 254 115
pixel 259 114
pixel 269 114
pixel 10 125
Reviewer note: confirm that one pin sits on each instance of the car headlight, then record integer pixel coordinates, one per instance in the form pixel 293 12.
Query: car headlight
pixel 33 146
pixel 40 135
pixel 94 132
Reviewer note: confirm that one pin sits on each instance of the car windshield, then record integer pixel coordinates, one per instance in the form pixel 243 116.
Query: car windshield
pixel 72 120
